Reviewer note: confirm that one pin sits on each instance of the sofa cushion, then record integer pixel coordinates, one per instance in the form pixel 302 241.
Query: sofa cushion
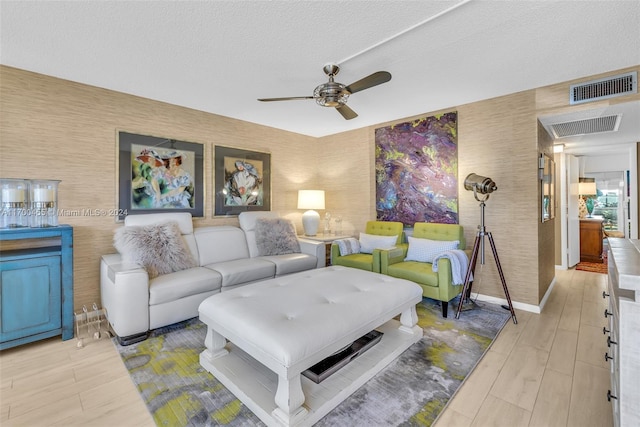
pixel 361 261
pixel 180 284
pixel 159 248
pixel 369 242
pixel 276 236
pixel 419 272
pixel 292 263
pixel 220 243
pixel 243 270
pixel 425 250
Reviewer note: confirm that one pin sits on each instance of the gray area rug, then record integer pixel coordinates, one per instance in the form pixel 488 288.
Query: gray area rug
pixel 411 391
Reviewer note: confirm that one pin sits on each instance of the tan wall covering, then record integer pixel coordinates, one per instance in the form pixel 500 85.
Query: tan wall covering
pixel 56 129
pixel 496 138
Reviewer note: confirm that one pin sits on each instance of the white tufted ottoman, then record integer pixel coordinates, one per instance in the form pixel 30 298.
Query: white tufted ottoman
pixel 280 327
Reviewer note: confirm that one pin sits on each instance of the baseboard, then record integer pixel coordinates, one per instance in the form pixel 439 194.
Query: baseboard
pixel 503 301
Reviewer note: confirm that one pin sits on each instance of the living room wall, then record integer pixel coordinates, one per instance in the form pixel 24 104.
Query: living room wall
pixel 56 129
pixel 496 138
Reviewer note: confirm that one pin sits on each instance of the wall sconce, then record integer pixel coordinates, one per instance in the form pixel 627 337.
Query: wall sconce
pixel 310 199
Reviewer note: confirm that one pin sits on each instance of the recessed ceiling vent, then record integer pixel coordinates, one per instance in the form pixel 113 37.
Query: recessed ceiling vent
pixel 609 87
pixel 586 126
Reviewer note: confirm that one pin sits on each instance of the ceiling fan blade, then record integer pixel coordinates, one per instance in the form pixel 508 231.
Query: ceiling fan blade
pixel 346 112
pixel 374 79
pixel 284 99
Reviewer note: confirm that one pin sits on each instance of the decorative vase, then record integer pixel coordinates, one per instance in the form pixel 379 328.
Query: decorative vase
pixel 590 205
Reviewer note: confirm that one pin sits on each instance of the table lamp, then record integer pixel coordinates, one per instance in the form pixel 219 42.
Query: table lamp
pixel 587 190
pixel 310 199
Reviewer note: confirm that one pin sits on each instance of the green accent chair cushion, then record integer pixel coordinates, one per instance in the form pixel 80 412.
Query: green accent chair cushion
pixel 435 285
pixel 370 262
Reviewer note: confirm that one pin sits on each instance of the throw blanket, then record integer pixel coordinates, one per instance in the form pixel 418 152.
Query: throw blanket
pixel 459 265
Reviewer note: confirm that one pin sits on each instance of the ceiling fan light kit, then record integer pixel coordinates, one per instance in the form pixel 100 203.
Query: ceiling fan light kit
pixel 334 94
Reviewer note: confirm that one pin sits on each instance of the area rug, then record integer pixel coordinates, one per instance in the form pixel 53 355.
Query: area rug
pixel 411 391
pixel 594 267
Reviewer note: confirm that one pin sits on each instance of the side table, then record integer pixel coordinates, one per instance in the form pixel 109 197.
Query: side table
pixel 328 239
pixel 36 284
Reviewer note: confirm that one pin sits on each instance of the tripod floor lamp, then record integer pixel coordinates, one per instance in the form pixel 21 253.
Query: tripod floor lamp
pixel 484 186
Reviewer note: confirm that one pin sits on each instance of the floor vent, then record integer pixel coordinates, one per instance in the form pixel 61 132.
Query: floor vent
pixel 586 126
pixel 609 87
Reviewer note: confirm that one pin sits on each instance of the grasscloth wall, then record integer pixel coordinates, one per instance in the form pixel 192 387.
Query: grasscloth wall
pixel 56 129
pixel 496 138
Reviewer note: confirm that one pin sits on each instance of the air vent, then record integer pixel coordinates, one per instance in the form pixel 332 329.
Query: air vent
pixel 586 126
pixel 609 87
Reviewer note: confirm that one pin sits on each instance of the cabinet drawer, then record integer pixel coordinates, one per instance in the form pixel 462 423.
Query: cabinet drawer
pixel 30 297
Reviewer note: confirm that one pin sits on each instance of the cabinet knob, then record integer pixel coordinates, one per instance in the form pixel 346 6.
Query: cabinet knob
pixel 610 396
pixel 607 357
pixel 604 294
pixel 609 342
pixel 605 330
pixel 607 313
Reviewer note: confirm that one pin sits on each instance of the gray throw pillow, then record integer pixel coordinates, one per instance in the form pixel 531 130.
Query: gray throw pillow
pixel 276 236
pixel 159 248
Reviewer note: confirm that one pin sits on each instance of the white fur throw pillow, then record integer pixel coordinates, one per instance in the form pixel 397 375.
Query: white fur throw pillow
pixel 276 236
pixel 159 248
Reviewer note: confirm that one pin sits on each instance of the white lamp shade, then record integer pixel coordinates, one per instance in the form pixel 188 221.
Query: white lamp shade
pixel 311 199
pixel 587 189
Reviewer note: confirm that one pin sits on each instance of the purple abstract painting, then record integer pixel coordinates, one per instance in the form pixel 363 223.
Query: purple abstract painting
pixel 417 171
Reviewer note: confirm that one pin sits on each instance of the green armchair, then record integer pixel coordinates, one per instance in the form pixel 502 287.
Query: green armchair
pixel 369 262
pixel 436 285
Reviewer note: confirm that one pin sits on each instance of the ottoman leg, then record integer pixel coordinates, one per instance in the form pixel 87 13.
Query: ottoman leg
pixel 408 319
pixel 214 342
pixel 289 398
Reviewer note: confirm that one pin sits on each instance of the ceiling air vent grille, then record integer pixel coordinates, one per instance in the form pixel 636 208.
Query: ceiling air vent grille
pixel 586 126
pixel 609 87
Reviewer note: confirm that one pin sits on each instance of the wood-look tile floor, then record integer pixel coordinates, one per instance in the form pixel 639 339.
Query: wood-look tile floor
pixel 548 370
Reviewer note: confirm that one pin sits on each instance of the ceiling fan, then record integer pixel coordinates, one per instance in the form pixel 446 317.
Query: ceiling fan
pixel 333 94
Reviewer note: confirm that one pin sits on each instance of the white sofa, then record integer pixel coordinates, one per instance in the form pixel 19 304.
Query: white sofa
pixel 226 256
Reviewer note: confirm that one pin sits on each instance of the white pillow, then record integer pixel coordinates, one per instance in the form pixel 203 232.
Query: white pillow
pixel 159 248
pixel 425 250
pixel 369 242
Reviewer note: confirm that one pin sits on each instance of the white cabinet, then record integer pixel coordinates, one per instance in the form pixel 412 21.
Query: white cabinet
pixel 623 333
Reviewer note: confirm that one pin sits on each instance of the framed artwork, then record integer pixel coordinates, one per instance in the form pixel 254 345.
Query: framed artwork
pixel 159 175
pixel 242 181
pixel 548 202
pixel 416 166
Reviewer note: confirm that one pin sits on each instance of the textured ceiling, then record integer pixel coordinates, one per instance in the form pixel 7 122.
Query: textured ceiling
pixel 219 56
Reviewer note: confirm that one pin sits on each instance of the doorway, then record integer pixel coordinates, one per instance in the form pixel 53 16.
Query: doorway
pixel 609 201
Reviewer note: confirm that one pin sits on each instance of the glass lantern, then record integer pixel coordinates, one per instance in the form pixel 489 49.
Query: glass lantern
pixel 14 200
pixel 44 203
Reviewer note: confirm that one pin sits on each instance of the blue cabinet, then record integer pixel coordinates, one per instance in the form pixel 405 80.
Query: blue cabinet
pixel 36 285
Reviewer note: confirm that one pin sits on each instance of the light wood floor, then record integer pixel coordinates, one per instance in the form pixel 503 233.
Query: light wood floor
pixel 548 370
